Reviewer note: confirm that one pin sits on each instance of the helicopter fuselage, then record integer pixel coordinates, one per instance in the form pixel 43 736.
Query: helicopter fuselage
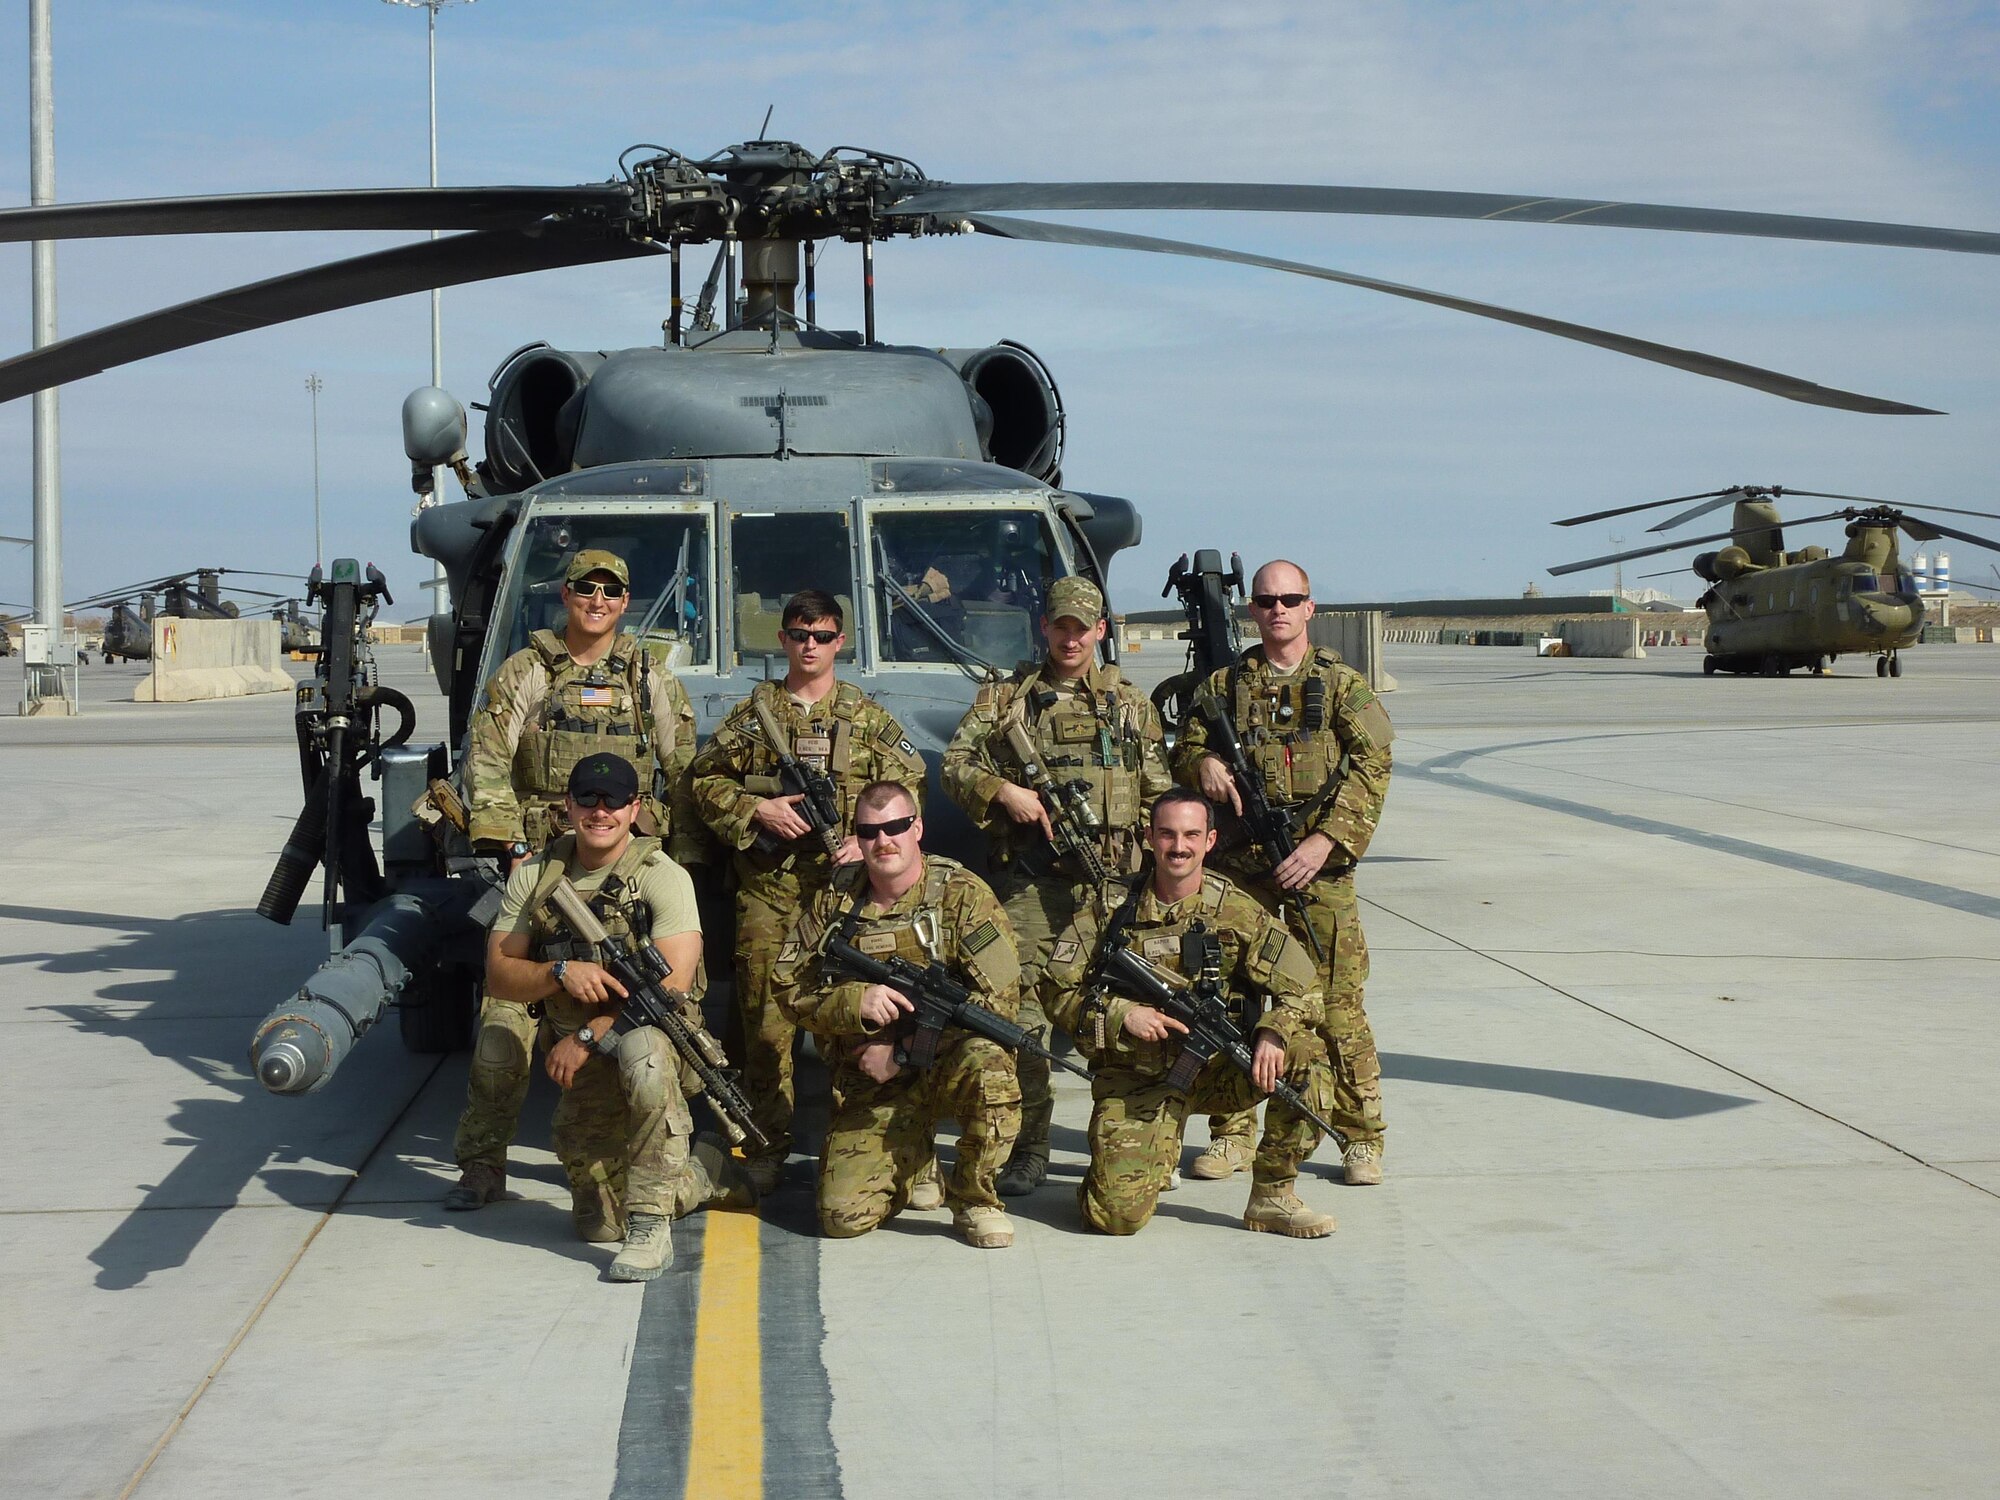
pixel 1801 614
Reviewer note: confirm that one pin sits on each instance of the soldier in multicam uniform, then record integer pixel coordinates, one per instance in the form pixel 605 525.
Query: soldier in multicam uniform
pixel 837 729
pixel 926 909
pixel 1136 1121
pixel 1091 728
pixel 1320 737
pixel 555 701
pixel 622 1130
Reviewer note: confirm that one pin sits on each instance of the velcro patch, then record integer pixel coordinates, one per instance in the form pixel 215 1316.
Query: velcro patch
pixel 906 747
pixel 890 733
pixel 788 953
pixel 980 936
pixel 1065 952
pixel 815 745
pixel 596 697
pixel 1166 946
pixel 1274 944
pixel 876 943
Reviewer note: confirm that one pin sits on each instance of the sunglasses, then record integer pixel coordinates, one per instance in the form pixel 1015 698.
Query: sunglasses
pixel 892 828
pixel 1272 601
pixel 799 637
pixel 606 800
pixel 590 588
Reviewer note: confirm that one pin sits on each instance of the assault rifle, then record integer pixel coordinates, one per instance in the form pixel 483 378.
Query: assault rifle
pixel 1067 803
pixel 1270 828
pixel 648 1002
pixel 1199 1006
pixel 818 803
pixel 940 1001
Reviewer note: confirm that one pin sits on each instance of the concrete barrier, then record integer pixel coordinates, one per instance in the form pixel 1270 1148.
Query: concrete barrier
pixel 1357 636
pixel 1604 635
pixel 197 659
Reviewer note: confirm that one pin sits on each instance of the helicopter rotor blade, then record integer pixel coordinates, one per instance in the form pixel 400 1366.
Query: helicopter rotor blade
pixel 480 256
pixel 1966 583
pixel 365 208
pixel 1900 505
pixel 1626 510
pixel 1939 529
pixel 1726 498
pixel 1654 551
pixel 1791 387
pixel 1918 530
pixel 963 199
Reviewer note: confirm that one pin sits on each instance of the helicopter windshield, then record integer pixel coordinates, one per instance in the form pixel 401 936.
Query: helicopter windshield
pixel 667 553
pixel 974 575
pixel 775 554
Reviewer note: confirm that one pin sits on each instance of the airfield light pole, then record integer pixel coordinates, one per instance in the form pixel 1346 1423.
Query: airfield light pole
pixel 47 448
pixel 315 385
pixel 440 594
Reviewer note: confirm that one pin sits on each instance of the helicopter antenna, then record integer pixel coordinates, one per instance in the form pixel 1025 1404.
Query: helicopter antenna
pixel 764 130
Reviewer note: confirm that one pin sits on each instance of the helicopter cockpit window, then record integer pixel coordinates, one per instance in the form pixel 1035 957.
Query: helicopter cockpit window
pixel 776 555
pixel 941 475
pixel 974 577
pixel 668 557
pixel 1864 583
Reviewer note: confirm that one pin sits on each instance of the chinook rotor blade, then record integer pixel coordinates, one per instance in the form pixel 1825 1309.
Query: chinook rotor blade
pixel 1938 529
pixel 1744 492
pixel 1626 510
pixel 1791 387
pixel 363 208
pixel 1306 198
pixel 1943 510
pixel 343 283
pixel 1654 551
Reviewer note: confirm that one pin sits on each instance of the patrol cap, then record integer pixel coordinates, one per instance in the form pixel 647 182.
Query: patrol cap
pixel 597 560
pixel 607 775
pixel 1075 599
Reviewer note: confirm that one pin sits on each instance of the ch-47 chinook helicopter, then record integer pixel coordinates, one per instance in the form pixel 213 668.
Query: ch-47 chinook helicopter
pixel 731 465
pixel 193 595
pixel 1771 611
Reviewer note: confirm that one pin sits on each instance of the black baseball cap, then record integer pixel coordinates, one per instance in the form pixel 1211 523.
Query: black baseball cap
pixel 607 775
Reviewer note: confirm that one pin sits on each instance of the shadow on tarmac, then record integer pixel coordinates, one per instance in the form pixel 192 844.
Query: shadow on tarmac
pixel 1629 1096
pixel 225 968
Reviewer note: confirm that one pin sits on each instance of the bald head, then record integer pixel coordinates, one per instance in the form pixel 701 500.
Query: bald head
pixel 1281 576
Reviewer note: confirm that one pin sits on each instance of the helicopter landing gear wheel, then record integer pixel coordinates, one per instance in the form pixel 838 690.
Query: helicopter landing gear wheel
pixel 1708 666
pixel 1770 666
pixel 1895 666
pixel 1881 666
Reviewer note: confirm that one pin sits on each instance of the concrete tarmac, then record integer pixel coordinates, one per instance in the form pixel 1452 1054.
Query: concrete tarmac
pixel 1685 993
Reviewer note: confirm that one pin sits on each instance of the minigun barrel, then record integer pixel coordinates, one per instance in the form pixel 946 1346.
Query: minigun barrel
pixel 302 1042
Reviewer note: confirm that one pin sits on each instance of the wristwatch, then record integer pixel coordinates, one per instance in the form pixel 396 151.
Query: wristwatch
pixel 556 972
pixel 585 1035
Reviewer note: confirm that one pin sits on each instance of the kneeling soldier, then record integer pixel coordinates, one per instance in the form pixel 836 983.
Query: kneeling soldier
pixel 887 1095
pixel 1135 1125
pixel 622 1129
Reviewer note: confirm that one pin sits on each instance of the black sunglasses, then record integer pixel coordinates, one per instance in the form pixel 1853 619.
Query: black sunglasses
pixel 607 800
pixel 799 637
pixel 1272 601
pixel 889 829
pixel 590 588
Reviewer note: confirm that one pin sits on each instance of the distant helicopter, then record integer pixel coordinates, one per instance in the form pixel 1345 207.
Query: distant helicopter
pixel 1770 611
pixel 193 595
pixel 744 458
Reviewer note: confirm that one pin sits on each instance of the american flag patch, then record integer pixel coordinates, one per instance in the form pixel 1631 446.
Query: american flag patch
pixel 597 697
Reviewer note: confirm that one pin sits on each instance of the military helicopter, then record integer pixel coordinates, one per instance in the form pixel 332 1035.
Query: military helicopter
pixel 193 595
pixel 745 456
pixel 1771 611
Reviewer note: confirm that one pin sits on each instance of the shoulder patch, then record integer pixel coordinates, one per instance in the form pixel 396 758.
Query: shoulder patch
pixel 789 953
pixel 1372 719
pixel 1274 944
pixel 980 936
pixel 906 747
pixel 1065 952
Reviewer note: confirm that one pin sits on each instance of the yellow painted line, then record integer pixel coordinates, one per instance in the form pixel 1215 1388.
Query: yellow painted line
pixel 726 1426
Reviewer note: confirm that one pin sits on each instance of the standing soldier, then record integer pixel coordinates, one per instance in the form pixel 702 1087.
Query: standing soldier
pixel 623 1129
pixel 836 735
pixel 925 909
pixel 555 701
pixel 1058 763
pixel 1318 739
pixel 1176 908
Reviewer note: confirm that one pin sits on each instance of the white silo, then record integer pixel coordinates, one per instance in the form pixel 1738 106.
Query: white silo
pixel 1920 572
pixel 1941 573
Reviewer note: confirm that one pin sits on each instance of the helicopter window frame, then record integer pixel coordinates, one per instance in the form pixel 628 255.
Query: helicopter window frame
pixel 856 654
pixel 1024 499
pixel 507 604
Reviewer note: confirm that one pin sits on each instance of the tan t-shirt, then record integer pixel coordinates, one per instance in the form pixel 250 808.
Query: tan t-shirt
pixel 664 889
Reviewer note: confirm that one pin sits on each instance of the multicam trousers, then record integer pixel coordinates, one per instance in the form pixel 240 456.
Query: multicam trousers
pixel 497 1083
pixel 879 1136
pixel 1136 1124
pixel 1040 908
pixel 1356 1107
pixel 765 910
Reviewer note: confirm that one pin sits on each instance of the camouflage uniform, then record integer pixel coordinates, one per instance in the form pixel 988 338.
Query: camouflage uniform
pixel 879 1136
pixel 1320 737
pixel 1097 729
pixel 544 712
pixel 854 740
pixel 623 1129
pixel 1136 1121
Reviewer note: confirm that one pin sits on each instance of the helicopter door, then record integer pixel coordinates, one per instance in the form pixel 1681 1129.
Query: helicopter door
pixel 775 554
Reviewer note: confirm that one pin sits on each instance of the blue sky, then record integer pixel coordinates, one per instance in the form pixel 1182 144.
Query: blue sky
pixel 1399 450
